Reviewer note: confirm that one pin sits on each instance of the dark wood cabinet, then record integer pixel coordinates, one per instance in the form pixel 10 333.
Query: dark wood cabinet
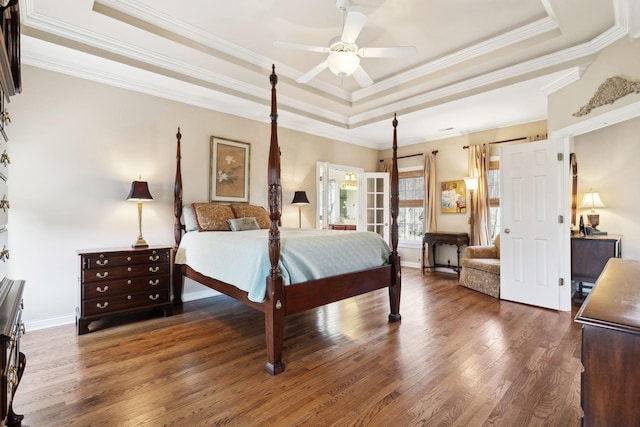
pixel 118 281
pixel 610 381
pixel 589 255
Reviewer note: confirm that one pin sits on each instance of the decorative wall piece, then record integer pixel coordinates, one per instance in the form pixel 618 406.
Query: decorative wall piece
pixel 229 172
pixel 454 198
pixel 611 90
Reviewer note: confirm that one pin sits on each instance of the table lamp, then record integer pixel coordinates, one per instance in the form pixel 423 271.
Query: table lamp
pixel 592 200
pixel 300 199
pixel 139 193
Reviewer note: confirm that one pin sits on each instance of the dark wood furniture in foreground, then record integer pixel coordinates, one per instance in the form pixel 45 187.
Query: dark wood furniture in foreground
pixel 610 389
pixel 283 300
pixel 589 255
pixel 123 280
pixel 443 238
pixel 13 361
pixel 11 326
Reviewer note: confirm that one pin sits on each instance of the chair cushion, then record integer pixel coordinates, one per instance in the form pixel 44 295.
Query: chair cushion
pixel 490 265
pixel 496 243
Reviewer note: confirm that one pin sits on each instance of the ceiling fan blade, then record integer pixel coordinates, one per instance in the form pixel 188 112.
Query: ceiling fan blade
pixel 352 26
pixel 388 52
pixel 362 77
pixel 312 72
pixel 300 46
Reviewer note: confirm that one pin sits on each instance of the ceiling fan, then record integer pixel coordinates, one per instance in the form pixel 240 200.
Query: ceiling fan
pixel 344 53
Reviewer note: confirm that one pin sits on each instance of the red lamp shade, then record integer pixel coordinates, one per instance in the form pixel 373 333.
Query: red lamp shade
pixel 139 192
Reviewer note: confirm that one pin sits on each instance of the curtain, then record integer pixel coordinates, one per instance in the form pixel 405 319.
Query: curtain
pixel 430 196
pixel 481 217
pixel 386 164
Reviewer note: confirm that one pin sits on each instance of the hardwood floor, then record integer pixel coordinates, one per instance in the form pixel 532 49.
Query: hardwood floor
pixel 457 358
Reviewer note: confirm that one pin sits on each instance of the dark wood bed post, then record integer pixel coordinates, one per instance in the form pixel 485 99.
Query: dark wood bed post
pixel 178 278
pixel 274 300
pixel 394 258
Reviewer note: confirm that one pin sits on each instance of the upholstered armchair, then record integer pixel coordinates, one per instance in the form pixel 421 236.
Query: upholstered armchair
pixel 481 268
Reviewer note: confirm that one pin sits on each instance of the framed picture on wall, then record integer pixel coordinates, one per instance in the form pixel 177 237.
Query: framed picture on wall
pixel 454 199
pixel 229 171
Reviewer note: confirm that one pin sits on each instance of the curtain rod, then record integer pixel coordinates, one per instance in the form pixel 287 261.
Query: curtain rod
pixel 500 142
pixel 412 155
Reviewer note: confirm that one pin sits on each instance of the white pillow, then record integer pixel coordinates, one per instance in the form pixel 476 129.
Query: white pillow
pixel 242 224
pixel 189 218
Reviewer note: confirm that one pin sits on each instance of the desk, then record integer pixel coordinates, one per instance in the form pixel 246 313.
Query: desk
pixel 443 238
pixel 589 255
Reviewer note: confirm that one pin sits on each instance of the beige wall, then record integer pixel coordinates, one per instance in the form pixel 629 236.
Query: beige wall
pixel 75 147
pixel 609 162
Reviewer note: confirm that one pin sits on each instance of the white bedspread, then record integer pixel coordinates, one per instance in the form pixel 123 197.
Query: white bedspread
pixel 242 258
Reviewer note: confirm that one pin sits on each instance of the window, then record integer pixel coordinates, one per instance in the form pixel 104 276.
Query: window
pixel 494 197
pixel 411 206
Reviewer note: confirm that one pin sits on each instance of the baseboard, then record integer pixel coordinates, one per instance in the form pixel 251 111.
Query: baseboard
pixel 70 319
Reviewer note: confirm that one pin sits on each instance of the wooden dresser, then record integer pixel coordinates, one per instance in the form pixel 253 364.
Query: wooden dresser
pixel 610 383
pixel 123 280
pixel 11 305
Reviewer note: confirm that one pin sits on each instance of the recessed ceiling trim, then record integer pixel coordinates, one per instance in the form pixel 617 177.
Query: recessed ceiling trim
pixel 499 42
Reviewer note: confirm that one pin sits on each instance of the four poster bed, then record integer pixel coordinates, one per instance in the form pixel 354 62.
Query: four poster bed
pixel 279 299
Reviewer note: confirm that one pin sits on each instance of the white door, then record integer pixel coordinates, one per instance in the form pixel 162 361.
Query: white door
pixel 376 202
pixel 531 238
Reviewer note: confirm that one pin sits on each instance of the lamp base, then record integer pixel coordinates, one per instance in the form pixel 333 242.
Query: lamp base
pixel 140 243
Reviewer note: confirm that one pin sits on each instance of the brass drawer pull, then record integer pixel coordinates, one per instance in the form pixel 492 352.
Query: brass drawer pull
pixel 103 306
pixel 154 269
pixel 154 257
pixel 102 275
pixel 4 255
pixel 154 282
pixel 4 159
pixel 4 203
pixel 102 263
pixel 153 298
pixel 105 289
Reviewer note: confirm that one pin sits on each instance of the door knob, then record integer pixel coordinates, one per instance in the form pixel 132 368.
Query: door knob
pixel 506 230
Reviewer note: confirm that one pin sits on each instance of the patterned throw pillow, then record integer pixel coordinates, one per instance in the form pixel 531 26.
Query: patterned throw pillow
pixel 242 224
pixel 212 217
pixel 258 212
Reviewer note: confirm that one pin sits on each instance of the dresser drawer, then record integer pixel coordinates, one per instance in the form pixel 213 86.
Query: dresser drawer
pixel 100 260
pixel 108 274
pixel 124 302
pixel 123 286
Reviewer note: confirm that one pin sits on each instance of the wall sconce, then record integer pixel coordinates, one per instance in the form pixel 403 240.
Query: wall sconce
pixel 300 199
pixel 139 193
pixel 472 184
pixel 592 200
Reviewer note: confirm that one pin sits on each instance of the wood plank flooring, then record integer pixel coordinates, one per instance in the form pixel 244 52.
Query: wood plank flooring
pixel 457 358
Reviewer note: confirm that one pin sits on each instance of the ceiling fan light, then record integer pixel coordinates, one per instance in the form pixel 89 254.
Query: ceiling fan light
pixel 343 64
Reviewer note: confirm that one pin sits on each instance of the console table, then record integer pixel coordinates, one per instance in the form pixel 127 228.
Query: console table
pixel 610 379
pixel 443 238
pixel 589 255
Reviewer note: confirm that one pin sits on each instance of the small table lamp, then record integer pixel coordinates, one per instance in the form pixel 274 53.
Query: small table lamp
pixel 139 193
pixel 592 200
pixel 300 199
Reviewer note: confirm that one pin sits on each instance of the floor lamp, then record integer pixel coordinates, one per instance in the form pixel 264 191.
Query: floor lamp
pixel 472 184
pixel 300 199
